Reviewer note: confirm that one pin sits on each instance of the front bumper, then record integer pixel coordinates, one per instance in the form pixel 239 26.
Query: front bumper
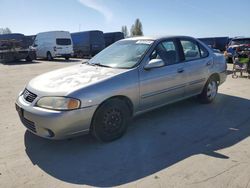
pixel 53 124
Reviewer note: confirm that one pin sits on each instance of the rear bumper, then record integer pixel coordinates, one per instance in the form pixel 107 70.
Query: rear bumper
pixel 53 124
pixel 223 76
pixel 64 55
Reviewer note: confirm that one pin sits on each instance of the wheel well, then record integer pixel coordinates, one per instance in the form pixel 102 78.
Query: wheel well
pixel 124 99
pixel 216 77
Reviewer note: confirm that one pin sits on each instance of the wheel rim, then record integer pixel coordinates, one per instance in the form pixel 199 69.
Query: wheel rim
pixel 211 90
pixel 112 121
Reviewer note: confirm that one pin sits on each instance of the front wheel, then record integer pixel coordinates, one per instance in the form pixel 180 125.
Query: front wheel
pixel 111 120
pixel 209 91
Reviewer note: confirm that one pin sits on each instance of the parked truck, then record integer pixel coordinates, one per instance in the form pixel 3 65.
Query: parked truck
pixel 112 37
pixel 87 43
pixel 219 43
pixel 14 47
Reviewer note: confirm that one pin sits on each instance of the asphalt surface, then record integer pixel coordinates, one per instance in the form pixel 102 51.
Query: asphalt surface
pixel 186 144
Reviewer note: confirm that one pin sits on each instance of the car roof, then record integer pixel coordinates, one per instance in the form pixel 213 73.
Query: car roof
pixel 157 38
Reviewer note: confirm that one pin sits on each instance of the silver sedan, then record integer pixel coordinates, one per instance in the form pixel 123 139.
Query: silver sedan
pixel 128 78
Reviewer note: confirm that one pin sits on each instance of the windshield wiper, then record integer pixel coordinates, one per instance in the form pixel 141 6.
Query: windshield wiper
pixel 88 63
pixel 101 65
pixel 96 64
pixel 85 62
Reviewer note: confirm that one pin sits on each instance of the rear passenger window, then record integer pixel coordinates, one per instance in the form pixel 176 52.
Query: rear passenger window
pixel 190 49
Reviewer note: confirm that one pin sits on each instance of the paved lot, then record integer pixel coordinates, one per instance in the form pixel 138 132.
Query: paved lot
pixel 182 145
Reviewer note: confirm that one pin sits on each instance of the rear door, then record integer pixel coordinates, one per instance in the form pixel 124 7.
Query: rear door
pixel 63 46
pixel 162 85
pixel 197 63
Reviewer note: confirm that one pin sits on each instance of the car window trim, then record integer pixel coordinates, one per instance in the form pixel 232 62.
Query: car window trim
pixel 175 41
pixel 199 45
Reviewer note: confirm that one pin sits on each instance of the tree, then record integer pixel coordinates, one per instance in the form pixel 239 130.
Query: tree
pixel 125 31
pixel 5 30
pixel 136 29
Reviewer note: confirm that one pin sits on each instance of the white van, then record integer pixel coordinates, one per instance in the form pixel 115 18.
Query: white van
pixel 53 44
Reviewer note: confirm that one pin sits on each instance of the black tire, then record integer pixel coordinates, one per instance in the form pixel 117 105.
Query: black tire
pixel 67 58
pixel 209 91
pixel 28 59
pixel 110 120
pixel 31 57
pixel 49 56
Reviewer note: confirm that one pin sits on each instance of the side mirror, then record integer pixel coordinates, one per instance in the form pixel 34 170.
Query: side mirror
pixel 154 63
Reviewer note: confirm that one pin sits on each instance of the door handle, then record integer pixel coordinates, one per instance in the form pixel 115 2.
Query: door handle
pixel 209 63
pixel 180 70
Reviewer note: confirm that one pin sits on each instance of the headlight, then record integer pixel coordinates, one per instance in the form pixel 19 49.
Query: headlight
pixel 59 103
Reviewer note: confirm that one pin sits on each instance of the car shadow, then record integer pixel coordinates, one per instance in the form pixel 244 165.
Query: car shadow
pixel 155 141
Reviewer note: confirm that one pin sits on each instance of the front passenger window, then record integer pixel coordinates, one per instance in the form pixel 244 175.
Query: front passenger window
pixel 167 52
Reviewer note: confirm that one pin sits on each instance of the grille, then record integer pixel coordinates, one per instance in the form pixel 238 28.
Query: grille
pixel 29 96
pixel 29 124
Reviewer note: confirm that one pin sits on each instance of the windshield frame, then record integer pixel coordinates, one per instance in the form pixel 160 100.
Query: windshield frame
pixel 136 64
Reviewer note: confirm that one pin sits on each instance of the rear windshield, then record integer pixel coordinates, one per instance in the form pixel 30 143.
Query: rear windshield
pixel 63 41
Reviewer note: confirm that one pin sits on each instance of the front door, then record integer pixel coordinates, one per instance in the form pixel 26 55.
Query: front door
pixel 165 84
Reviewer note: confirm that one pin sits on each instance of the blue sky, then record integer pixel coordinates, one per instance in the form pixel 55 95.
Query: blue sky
pixel 198 18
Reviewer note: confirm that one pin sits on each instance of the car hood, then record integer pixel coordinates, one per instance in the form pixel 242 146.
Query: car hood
pixel 64 81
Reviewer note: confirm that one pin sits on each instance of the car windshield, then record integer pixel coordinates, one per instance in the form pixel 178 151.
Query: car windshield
pixel 122 54
pixel 240 41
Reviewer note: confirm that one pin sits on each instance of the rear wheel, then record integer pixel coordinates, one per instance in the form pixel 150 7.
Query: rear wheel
pixel 49 56
pixel 209 91
pixel 66 58
pixel 110 120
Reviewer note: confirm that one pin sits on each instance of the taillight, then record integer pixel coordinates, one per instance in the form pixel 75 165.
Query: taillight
pixel 54 48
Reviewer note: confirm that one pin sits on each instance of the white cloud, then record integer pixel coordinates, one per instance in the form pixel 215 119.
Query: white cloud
pixel 93 4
